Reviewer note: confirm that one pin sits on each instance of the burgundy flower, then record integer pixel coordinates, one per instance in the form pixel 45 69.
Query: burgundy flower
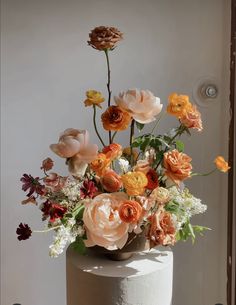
pixel 52 210
pixel 32 184
pixel 88 190
pixel 47 164
pixel 23 231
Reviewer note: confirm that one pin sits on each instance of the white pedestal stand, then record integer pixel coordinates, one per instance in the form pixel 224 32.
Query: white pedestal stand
pixel 144 279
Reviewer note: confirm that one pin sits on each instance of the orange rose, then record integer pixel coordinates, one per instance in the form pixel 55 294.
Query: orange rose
pixel 114 118
pixel 152 179
pixel 134 183
pixel 112 151
pixel 221 164
pixel 177 165
pixel 130 211
pixel 100 164
pixel 192 118
pixel 178 104
pixel 142 166
pixel 111 181
pixel 162 230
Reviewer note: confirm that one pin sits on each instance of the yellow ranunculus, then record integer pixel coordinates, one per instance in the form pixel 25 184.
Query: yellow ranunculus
pixel 178 105
pixel 94 98
pixel 134 183
pixel 221 164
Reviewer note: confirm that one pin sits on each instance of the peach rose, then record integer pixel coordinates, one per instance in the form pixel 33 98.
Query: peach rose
pixel 177 166
pixel 162 230
pixel 74 144
pixel 100 164
pixel 115 118
pixel 102 221
pixel 130 211
pixel 142 166
pixel 161 195
pixel 178 105
pixel 111 181
pixel 113 151
pixel 192 118
pixel 221 164
pixel 142 105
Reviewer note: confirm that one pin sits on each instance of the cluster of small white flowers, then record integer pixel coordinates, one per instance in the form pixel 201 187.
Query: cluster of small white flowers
pixel 65 235
pixel 71 190
pixel 189 205
pixel 124 165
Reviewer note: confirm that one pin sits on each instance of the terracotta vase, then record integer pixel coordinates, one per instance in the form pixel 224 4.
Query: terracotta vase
pixel 135 243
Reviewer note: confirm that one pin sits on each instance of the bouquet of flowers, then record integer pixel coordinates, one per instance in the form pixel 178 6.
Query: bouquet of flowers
pixel 113 194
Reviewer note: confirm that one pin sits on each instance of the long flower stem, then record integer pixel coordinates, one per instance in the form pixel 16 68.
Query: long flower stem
pixel 113 136
pixel 108 86
pixel 47 230
pixel 131 142
pixel 206 174
pixel 95 125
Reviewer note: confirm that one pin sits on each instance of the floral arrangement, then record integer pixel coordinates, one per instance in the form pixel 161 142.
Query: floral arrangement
pixel 113 194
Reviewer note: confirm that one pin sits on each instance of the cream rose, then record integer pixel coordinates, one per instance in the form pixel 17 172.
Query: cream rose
pixel 141 104
pixel 102 221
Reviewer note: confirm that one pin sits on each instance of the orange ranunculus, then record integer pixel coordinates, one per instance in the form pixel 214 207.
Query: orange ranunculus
pixel 116 119
pixel 177 165
pixel 94 98
pixel 192 118
pixel 100 164
pixel 113 151
pixel 127 153
pixel 178 104
pixel 152 179
pixel 111 181
pixel 221 164
pixel 162 230
pixel 142 166
pixel 130 211
pixel 134 183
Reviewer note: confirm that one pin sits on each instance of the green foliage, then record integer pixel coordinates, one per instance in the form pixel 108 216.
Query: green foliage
pixel 78 245
pixel 190 231
pixel 172 207
pixel 139 126
pixel 179 145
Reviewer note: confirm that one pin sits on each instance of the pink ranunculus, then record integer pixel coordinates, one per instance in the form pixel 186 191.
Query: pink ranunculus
pixel 142 105
pixel 102 221
pixel 74 145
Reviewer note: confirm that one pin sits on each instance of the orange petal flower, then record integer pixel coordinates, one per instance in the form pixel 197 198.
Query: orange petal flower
pixel 100 164
pixel 112 151
pixel 94 98
pixel 130 211
pixel 177 165
pixel 192 118
pixel 111 181
pixel 221 164
pixel 134 183
pixel 178 104
pixel 116 119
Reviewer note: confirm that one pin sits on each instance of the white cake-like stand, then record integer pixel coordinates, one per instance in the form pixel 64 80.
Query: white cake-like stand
pixel 144 279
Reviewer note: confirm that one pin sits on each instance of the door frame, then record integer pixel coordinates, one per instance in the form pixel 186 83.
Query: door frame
pixel 231 253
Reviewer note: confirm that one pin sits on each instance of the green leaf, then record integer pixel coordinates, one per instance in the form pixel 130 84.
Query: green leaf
pixel 139 125
pixel 179 145
pixel 79 246
pixel 172 206
pixel 80 213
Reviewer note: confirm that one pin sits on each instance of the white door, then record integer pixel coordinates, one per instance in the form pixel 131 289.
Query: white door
pixel 169 46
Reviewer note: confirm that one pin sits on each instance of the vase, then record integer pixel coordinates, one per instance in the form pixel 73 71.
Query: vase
pixel 136 243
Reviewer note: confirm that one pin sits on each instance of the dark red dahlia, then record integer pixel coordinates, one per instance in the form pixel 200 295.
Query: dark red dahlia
pixel 32 184
pixel 53 210
pixel 152 179
pixel 88 190
pixel 23 231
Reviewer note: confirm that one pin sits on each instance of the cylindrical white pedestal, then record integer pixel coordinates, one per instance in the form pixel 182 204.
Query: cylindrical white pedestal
pixel 144 279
